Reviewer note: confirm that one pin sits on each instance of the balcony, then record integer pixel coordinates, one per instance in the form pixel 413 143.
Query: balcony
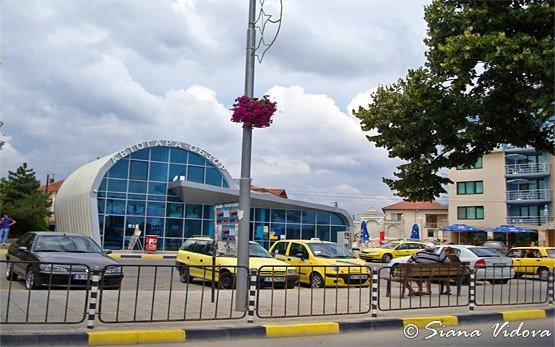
pixel 527 169
pixel 536 195
pixel 532 220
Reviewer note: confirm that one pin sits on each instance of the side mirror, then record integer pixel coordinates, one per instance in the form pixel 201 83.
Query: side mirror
pixel 23 249
pixel 108 251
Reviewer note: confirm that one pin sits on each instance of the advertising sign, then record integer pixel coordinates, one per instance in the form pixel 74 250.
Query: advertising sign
pixel 227 226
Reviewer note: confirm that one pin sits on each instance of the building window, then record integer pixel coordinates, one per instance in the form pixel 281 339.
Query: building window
pixel 477 165
pixel 396 216
pixel 473 187
pixel 470 212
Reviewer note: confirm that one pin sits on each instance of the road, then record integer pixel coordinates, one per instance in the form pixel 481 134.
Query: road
pixel 483 334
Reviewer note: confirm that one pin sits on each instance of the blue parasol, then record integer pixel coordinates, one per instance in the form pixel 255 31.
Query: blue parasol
pixel 510 229
pixel 461 228
pixel 415 232
pixel 364 236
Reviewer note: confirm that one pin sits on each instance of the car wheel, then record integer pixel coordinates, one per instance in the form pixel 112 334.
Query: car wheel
pixel 316 280
pixel 465 279
pixel 543 273
pixel 184 275
pixel 226 280
pixel 518 275
pixel 505 281
pixel 393 270
pixel 387 258
pixel 10 275
pixel 30 280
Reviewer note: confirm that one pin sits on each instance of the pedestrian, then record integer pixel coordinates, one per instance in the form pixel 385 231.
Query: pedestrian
pixel 5 225
pixel 427 256
pixel 453 258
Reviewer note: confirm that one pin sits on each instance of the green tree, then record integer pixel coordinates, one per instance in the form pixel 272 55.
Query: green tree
pixel 487 81
pixel 21 200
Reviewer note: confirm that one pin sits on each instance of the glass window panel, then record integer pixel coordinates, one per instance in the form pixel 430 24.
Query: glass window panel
pixel 159 172
pixel 174 210
pixel 113 232
pixel 471 212
pixel 196 159
pixel 461 213
pixel 174 227
pixel 208 212
pixel 154 226
pixel 159 154
pixel 195 174
pixel 262 214
pixel 208 228
pixel 172 197
pixel 178 155
pixel 116 195
pixel 479 213
pixel 157 188
pixel 323 232
pixel 461 188
pixel 192 228
pixel 119 170
pixel 293 231
pixel 116 207
pixel 157 197
pixel 309 231
pixel 101 203
pixel 138 170
pixel 172 244
pixel 103 184
pixel 479 187
pixel 177 170
pixel 156 209
pixel 131 222
pixel 309 217
pixel 276 230
pixel 278 215
pixel 322 217
pixel 136 208
pixel 213 177
pixel 136 196
pixel 101 194
pixel 293 216
pixel 140 154
pixel 137 186
pixel 261 231
pixel 337 219
pixel 334 231
pixel 117 185
pixel 193 211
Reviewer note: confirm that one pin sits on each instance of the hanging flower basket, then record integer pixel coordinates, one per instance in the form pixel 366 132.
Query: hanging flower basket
pixel 253 111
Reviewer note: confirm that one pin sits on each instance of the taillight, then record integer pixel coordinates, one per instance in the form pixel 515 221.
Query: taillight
pixel 480 263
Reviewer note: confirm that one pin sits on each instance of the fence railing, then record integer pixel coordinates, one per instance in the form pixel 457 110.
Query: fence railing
pixel 170 293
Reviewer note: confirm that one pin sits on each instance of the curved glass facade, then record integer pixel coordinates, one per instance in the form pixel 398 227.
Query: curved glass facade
pixel 134 192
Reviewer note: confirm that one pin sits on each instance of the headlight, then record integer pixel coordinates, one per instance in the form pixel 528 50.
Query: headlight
pixel 113 270
pixel 53 268
pixel 292 271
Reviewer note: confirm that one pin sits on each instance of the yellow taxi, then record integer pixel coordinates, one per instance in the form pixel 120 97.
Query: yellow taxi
pixel 394 249
pixel 322 263
pixel 194 260
pixel 533 261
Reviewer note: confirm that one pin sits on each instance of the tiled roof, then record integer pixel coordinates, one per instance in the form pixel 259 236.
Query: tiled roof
pixel 418 205
pixel 52 187
pixel 274 191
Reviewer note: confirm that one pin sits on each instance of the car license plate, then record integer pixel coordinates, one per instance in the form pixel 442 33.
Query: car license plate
pixel 80 277
pixel 274 279
pixel 359 277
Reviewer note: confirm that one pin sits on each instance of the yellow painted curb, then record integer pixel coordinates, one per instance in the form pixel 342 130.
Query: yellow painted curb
pixel 133 337
pixel 421 322
pixel 301 329
pixel 152 256
pixel 524 314
pixel 114 256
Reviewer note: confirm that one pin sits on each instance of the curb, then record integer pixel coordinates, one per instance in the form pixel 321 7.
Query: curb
pixel 123 337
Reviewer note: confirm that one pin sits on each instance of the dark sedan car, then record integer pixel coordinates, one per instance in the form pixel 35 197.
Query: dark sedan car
pixel 57 259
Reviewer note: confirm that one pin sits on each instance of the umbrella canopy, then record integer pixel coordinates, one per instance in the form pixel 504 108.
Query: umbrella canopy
pixel 415 233
pixel 506 229
pixel 364 236
pixel 462 228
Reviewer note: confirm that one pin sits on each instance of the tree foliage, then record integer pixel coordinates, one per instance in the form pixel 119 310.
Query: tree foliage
pixel 21 200
pixel 488 80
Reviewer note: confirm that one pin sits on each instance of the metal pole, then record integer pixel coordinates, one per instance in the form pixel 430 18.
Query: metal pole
pixel 245 180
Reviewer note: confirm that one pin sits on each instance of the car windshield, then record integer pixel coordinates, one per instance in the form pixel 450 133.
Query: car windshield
pixel 257 251
pixel 66 243
pixel 329 250
pixel 484 252
pixel 390 245
pixel 550 253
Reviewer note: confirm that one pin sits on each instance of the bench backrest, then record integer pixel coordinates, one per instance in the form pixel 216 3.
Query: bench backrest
pixel 451 269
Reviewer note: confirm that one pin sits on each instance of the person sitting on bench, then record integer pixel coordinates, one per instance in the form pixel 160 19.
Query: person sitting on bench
pixel 427 256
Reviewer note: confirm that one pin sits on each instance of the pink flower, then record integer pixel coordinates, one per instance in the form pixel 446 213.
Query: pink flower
pixel 253 111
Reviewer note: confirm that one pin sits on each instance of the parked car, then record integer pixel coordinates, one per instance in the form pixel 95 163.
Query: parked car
pixel 391 250
pixel 194 259
pixel 322 263
pixel 488 264
pixel 499 246
pixel 55 259
pixel 533 261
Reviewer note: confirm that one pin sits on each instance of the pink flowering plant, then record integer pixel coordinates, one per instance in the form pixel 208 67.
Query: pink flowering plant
pixel 253 111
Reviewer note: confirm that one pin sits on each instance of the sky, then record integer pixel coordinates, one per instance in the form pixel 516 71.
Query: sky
pixel 81 79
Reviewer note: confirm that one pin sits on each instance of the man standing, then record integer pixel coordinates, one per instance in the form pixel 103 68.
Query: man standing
pixel 5 225
pixel 427 256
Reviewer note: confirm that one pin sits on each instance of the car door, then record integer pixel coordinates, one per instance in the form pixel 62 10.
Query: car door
pixel 298 255
pixel 402 250
pixel 530 260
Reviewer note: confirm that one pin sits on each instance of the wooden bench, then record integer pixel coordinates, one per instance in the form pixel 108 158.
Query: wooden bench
pixel 436 272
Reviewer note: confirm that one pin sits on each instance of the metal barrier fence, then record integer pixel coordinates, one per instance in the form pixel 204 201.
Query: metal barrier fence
pixel 346 291
pixel 46 295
